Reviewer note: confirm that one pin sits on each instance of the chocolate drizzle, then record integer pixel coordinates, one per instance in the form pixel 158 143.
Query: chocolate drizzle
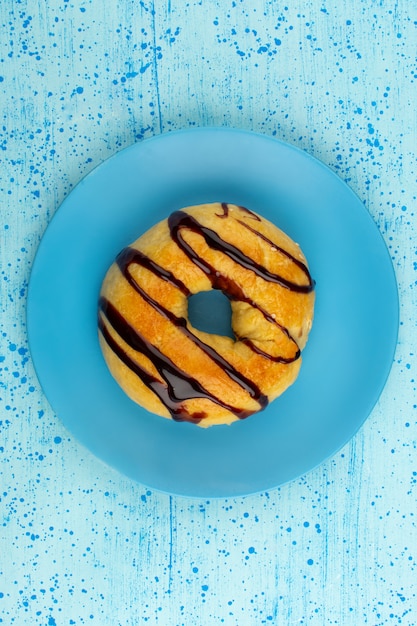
pixel 176 385
pixel 131 256
pixel 225 209
pixel 310 282
pixel 124 260
pixel 179 220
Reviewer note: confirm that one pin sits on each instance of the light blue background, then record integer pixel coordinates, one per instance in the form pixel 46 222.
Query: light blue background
pixel 81 544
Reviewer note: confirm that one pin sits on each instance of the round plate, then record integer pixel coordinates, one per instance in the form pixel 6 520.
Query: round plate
pixel 346 361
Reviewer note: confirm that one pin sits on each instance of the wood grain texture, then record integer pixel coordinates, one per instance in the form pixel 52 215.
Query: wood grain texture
pixel 81 544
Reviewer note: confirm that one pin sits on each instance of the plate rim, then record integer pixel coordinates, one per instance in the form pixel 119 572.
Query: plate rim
pixel 222 130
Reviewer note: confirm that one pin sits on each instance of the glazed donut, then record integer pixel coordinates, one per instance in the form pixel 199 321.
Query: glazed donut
pixel 180 372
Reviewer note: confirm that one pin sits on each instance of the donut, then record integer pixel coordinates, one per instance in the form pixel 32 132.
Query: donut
pixel 174 370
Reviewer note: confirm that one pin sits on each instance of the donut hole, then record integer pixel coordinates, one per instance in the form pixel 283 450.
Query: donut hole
pixel 210 312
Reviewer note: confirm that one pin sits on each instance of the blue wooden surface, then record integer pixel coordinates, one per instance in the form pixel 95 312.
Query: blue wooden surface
pixel 81 544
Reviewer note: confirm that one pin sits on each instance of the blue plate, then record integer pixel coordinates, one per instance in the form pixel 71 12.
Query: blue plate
pixel 345 364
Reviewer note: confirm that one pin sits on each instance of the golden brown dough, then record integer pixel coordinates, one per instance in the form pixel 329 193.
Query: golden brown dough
pixel 175 370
